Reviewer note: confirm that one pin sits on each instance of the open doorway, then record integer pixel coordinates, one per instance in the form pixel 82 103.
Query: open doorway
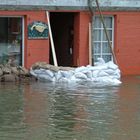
pixel 11 40
pixel 63 34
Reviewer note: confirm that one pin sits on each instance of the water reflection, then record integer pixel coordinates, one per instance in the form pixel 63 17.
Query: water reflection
pixel 11 112
pixel 46 111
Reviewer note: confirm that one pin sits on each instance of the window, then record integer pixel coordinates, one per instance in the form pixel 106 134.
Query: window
pixel 100 44
pixel 11 40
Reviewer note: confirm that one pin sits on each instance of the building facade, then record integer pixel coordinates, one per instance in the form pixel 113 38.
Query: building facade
pixel 24 33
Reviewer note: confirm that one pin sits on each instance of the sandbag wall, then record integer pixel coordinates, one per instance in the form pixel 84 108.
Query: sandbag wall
pixel 108 73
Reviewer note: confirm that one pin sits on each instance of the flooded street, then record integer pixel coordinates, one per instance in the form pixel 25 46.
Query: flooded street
pixel 46 111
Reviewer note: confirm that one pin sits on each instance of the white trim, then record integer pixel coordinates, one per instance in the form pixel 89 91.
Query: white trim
pixel 23 47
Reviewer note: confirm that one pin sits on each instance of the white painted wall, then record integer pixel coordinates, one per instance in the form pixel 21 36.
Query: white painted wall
pixel 109 3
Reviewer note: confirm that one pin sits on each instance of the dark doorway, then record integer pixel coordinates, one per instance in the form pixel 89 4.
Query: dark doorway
pixel 62 25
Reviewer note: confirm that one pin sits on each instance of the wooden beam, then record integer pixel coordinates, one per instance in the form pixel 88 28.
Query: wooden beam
pixel 51 39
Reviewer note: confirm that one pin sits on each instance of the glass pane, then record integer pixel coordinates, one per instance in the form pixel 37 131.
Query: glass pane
pixel 97 22
pixel 109 32
pixel 107 58
pixel 9 52
pixel 108 22
pixel 97 35
pixel 97 48
pixel 96 57
pixel 105 47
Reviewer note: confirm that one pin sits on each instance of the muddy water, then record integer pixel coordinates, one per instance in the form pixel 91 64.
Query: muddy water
pixel 45 111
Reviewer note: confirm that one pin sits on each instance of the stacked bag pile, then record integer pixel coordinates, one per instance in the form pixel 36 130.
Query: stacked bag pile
pixel 10 73
pixel 102 73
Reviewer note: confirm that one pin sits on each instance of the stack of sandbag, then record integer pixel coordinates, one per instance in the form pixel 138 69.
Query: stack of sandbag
pixel 106 73
pixel 12 73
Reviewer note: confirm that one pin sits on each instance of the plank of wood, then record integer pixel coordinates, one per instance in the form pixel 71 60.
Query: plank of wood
pixel 51 39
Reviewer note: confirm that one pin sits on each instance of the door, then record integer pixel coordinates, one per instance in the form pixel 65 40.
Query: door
pixel 63 35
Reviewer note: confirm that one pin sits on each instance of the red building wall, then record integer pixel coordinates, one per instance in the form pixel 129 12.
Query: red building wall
pixel 126 39
pixel 81 41
pixel 127 46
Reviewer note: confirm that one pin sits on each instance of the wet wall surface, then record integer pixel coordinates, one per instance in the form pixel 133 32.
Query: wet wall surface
pixel 46 111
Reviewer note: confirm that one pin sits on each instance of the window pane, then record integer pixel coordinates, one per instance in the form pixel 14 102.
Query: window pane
pixel 97 35
pixel 96 57
pixel 109 32
pixel 108 22
pixel 107 58
pixel 105 47
pixel 97 48
pixel 97 22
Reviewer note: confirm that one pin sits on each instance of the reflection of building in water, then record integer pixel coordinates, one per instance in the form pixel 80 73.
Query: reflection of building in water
pixel 63 112
pixel 127 126
pixel 81 115
pixel 35 113
pixel 68 114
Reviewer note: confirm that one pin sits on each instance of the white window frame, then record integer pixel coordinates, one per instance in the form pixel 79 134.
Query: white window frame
pixel 101 41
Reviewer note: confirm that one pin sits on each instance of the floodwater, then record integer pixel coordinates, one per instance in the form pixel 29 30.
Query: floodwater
pixel 46 111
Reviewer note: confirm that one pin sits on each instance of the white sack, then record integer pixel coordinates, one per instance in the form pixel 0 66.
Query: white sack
pixel 80 75
pixel 44 77
pixel 66 74
pixel 111 65
pixel 95 74
pixel 80 69
pixel 88 74
pixel 50 73
pixel 102 74
pixel 33 73
pixel 58 75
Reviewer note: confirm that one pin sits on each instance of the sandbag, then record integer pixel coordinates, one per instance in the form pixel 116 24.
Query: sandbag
pixel 80 75
pixel 44 77
pixel 58 75
pixel 66 74
pixel 88 74
pixel 80 69
pixel 50 73
pixel 102 73
pixel 95 74
pixel 111 65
